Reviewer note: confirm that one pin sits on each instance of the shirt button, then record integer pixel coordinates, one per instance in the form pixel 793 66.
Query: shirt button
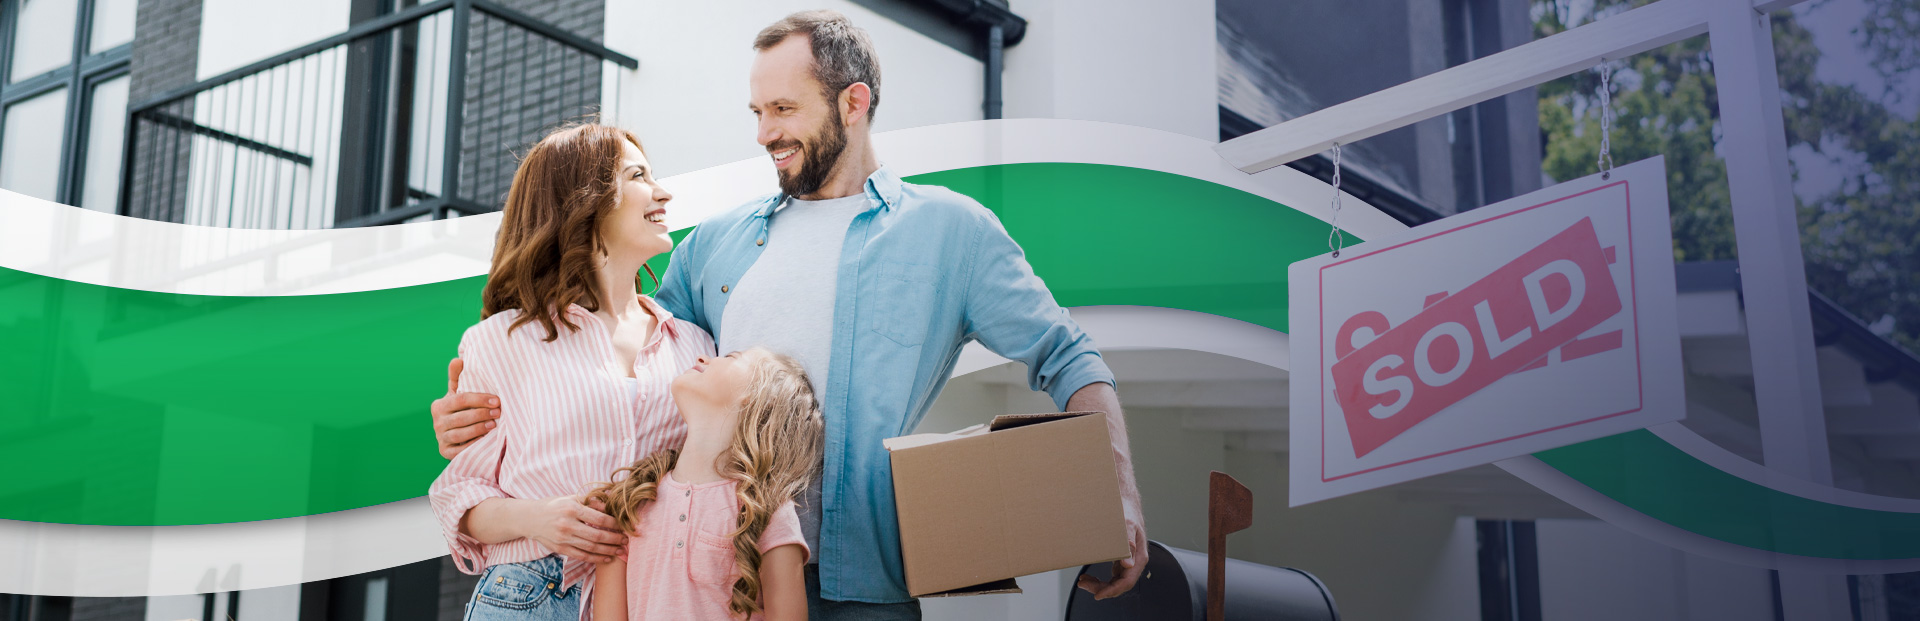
pixel 683 517
pixel 689 492
pixel 760 242
pixel 499 580
pixel 678 543
pixel 723 288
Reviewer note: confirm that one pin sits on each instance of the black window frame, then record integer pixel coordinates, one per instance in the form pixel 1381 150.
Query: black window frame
pixel 1509 562
pixel 1480 155
pixel 79 76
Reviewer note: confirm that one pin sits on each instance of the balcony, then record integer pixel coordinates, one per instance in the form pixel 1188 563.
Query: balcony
pixel 381 124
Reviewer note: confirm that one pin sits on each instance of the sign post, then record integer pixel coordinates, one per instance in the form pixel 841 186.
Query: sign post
pixel 1533 323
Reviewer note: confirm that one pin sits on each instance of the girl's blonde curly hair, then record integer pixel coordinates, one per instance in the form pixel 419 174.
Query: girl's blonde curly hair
pixel 776 451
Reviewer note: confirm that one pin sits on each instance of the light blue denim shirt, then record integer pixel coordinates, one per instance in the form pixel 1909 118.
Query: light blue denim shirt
pixel 923 271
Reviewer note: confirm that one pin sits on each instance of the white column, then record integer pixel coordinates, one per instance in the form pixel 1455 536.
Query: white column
pixel 1793 431
pixel 1772 271
pixel 1147 63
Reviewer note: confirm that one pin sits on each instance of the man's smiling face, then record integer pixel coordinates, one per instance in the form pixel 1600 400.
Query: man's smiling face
pixel 800 126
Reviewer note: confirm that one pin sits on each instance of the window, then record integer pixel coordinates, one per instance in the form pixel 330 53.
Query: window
pixel 31 126
pixel 43 36
pixel 112 25
pixel 63 98
pixel 106 126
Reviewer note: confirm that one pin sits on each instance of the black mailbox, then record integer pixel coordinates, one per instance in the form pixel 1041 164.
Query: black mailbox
pixel 1175 587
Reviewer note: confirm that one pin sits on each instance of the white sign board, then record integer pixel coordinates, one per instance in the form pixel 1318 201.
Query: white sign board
pixel 1529 324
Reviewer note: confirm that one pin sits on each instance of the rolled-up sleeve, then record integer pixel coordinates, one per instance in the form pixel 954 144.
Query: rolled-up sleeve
pixel 474 475
pixel 679 291
pixel 1011 312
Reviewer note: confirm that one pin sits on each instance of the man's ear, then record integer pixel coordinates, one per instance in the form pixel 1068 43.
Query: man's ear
pixel 855 101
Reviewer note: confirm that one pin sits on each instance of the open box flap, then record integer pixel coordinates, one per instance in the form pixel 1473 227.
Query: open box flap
pixel 985 588
pixel 1010 421
pixel 1000 423
pixel 923 439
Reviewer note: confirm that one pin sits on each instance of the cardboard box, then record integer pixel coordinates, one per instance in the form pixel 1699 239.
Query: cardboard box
pixel 1023 495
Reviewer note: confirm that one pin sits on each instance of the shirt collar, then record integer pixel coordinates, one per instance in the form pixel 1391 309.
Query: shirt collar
pixel 883 188
pixel 663 320
pixel 667 480
pixel 660 314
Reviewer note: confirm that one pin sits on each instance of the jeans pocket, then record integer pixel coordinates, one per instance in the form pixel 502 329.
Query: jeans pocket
pixel 513 587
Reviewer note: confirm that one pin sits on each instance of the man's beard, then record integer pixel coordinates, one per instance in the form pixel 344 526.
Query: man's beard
pixel 821 158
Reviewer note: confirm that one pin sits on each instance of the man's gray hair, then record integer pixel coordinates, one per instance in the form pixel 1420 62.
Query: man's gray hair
pixel 842 53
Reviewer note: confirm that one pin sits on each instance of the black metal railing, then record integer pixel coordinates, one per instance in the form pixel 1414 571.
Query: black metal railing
pixel 377 125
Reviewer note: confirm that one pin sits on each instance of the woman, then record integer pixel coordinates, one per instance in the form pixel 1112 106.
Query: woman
pixel 581 363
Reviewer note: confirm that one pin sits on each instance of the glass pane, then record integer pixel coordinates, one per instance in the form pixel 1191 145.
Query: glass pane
pixel 43 36
pixel 112 24
pixel 106 135
pixel 376 604
pixel 30 149
pixel 1278 61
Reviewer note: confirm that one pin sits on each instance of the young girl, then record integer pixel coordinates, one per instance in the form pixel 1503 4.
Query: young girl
pixel 580 362
pixel 715 535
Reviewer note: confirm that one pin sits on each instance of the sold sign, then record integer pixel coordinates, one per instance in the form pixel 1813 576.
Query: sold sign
pixel 1459 345
pixel 1532 323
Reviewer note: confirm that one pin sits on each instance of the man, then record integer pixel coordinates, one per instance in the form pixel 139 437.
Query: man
pixel 874 285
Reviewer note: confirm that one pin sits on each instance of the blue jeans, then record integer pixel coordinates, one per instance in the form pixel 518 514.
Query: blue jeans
pixel 527 591
pixel 831 610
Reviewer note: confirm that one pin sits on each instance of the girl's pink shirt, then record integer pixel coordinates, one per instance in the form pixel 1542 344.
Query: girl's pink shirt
pixel 681 565
pixel 567 420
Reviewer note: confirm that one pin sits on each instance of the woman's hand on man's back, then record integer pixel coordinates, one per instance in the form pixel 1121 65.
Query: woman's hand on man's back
pixel 460 417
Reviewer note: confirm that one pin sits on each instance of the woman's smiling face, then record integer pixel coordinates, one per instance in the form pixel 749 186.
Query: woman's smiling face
pixel 637 227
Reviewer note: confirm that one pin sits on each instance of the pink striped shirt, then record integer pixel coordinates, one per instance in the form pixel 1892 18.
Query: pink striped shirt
pixel 568 419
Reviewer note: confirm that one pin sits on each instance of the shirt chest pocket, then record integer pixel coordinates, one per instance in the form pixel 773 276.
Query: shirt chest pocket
pixel 898 302
pixel 710 561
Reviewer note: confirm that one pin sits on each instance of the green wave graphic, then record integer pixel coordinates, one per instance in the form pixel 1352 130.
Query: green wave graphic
pixel 1649 475
pixel 132 407
pixel 137 408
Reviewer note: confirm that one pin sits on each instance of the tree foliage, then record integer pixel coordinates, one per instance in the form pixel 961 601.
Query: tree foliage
pixel 1861 240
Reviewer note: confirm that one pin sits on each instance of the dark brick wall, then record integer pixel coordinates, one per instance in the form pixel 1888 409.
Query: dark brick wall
pixel 519 85
pixel 166 54
pixel 109 608
pixel 166 46
pixel 586 18
pixel 455 589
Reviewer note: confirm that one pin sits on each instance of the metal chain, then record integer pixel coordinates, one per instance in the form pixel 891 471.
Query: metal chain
pixel 1335 239
pixel 1605 161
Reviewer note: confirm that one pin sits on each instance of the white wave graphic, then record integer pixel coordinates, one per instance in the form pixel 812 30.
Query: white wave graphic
pixel 75 244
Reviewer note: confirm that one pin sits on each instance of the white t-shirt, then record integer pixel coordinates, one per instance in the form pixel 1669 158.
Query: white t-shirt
pixel 785 302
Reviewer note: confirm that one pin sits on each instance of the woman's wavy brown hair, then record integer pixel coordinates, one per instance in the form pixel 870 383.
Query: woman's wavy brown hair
pixel 776 452
pixel 549 242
